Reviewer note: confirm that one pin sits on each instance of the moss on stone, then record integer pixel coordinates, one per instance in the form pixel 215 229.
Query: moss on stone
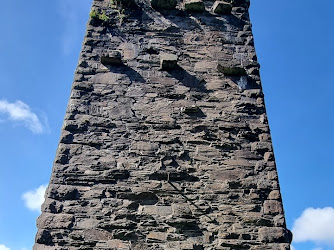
pixel 232 71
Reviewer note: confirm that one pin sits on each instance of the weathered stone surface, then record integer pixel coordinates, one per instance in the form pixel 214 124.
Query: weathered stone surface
pixel 112 58
pixel 274 235
pixel 231 71
pixel 168 61
pixel 165 143
pixel 59 221
pixel 156 237
pixel 222 7
pixel 272 207
pixel 163 4
pixel 194 5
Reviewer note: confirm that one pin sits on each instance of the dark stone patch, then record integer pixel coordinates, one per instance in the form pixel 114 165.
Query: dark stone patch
pixel 143 198
pixel 172 176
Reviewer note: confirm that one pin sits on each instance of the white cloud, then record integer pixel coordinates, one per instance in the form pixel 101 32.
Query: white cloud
pixel 315 224
pixel 292 247
pixel 3 247
pixel 317 248
pixel 34 198
pixel 21 113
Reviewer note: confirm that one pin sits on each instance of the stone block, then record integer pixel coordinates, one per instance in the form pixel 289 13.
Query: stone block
pixel 144 198
pixel 156 210
pixel 112 58
pixel 118 244
pixel 181 210
pixel 97 235
pixel 63 192
pixel 182 245
pixel 274 235
pixel 168 61
pixel 270 246
pixel 222 7
pixel 38 246
pixel 44 237
pixel 275 195
pixel 268 156
pixel 261 146
pixel 272 207
pixel 231 71
pixel 156 237
pixel 86 223
pixel 194 6
pixel 163 4
pixel 279 221
pixel 191 109
pixel 59 221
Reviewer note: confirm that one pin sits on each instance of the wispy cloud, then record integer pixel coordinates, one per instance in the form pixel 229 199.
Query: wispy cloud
pixel 3 247
pixel 34 198
pixel 19 112
pixel 315 224
pixel 74 13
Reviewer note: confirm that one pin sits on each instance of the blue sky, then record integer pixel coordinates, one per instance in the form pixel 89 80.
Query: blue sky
pixel 39 47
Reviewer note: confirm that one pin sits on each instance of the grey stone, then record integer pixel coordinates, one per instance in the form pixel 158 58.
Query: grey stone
pixel 273 207
pixel 194 5
pixel 231 71
pixel 168 61
pixel 112 58
pixel 156 237
pixel 163 4
pixel 222 7
pixel 59 221
pixel 275 235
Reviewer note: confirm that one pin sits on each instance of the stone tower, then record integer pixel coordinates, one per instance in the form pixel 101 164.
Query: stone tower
pixel 165 143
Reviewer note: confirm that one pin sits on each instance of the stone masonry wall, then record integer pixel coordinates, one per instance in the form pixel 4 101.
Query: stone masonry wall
pixel 165 143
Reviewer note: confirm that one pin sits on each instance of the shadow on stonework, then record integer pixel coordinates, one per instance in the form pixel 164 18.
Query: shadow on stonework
pixel 133 75
pixel 244 82
pixel 200 211
pixel 188 80
pixel 237 22
pixel 186 227
pixel 182 20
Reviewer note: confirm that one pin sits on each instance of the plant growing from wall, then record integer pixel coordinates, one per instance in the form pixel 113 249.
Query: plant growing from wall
pixel 100 17
pixel 117 5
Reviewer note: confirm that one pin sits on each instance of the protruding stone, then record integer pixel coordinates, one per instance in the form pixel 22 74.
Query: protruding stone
pixel 156 210
pixel 168 61
pixel 274 195
pixel 117 244
pixel 44 237
pixel 156 237
pixel 272 207
pixel 112 58
pixel 163 4
pixel 231 71
pixel 268 156
pixel 182 210
pixel 222 7
pixel 59 221
pixel 194 6
pixel 261 146
pixel 191 109
pixel 275 235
